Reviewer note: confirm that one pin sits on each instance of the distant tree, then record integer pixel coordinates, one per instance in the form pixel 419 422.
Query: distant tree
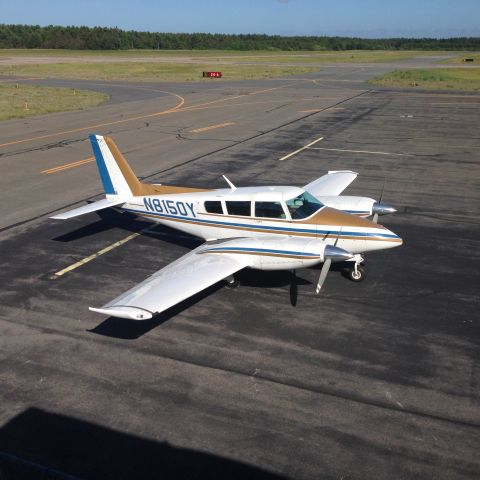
pixel 34 36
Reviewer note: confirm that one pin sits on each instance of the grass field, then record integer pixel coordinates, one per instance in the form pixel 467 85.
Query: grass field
pixel 475 56
pixel 467 79
pixel 350 56
pixel 180 65
pixel 147 71
pixel 26 101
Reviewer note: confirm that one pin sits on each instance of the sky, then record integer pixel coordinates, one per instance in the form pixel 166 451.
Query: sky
pixel 362 18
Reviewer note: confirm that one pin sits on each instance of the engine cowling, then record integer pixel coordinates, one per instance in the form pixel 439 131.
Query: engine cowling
pixel 275 253
pixel 361 206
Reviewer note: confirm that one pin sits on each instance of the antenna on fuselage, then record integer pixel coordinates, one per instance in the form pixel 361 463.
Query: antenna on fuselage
pixel 232 186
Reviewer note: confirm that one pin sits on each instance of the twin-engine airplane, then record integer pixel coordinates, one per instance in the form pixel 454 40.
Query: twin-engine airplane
pixel 264 228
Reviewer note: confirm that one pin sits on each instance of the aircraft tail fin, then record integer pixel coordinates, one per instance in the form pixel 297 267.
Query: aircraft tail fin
pixel 117 177
pixel 119 182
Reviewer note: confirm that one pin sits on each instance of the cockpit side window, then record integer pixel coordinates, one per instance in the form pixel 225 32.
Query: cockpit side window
pixel 239 208
pixel 269 210
pixel 303 206
pixel 213 206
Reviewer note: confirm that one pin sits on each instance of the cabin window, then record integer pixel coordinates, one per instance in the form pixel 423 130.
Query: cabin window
pixel 269 210
pixel 303 206
pixel 238 208
pixel 213 206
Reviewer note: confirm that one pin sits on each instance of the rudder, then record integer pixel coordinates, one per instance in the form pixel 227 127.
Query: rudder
pixel 117 177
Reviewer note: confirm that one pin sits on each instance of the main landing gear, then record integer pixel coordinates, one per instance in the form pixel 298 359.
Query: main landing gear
pixel 357 272
pixel 231 282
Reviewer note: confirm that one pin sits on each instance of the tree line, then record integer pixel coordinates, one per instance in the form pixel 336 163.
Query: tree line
pixel 100 38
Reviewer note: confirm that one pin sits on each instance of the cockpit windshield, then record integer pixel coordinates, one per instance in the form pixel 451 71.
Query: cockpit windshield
pixel 303 206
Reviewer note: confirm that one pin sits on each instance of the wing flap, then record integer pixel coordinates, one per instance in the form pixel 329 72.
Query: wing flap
pixel 181 279
pixel 334 183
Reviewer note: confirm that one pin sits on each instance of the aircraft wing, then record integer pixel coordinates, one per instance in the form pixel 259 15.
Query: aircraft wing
pixel 177 281
pixel 334 183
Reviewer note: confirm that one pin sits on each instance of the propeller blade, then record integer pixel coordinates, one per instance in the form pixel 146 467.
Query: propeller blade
pixel 331 254
pixel 323 274
pixel 380 208
pixel 383 189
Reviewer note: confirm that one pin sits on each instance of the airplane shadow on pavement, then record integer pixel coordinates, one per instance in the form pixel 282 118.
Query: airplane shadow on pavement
pixel 132 329
pixel 39 445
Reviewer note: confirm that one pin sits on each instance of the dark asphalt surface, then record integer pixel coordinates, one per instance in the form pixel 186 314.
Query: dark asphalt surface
pixel 373 380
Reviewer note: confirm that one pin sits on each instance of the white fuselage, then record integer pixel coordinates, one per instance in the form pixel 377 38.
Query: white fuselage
pixel 188 213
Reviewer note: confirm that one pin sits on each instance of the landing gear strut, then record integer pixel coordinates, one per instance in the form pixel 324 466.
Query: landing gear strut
pixel 357 272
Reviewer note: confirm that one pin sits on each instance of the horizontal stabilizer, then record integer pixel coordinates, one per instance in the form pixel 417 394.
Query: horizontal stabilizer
pixel 91 207
pixel 334 183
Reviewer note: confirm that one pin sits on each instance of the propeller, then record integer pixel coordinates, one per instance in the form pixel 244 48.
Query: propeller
pixel 332 253
pixel 380 208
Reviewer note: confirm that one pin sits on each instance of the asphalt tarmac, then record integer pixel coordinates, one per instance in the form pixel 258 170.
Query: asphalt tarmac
pixel 379 379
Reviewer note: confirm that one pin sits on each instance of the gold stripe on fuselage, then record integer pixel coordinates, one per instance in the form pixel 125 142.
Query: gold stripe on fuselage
pixel 287 231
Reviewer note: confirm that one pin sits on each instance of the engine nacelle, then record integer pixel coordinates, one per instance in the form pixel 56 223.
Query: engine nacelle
pixel 361 206
pixel 287 253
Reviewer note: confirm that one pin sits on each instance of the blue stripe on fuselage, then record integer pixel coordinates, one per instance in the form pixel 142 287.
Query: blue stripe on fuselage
pixel 261 250
pixel 287 230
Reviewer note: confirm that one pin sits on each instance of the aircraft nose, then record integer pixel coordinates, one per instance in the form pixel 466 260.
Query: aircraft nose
pixel 391 238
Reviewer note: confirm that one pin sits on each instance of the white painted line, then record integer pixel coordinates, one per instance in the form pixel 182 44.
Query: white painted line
pixel 95 255
pixel 300 149
pixel 363 151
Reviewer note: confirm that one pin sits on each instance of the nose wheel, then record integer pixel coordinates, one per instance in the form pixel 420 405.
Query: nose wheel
pixel 356 273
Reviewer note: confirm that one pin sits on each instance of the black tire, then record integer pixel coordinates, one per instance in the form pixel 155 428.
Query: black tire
pixel 232 285
pixel 357 276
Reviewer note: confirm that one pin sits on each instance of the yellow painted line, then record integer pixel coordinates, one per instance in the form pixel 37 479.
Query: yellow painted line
pixel 464 104
pixel 233 105
pixel 95 255
pixel 363 151
pixel 300 149
pixel 322 109
pixel 79 163
pixel 256 92
pixel 91 127
pixel 67 166
pixel 175 109
pixel 212 127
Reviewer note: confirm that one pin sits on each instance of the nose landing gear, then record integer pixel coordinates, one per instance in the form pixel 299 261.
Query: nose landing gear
pixel 357 272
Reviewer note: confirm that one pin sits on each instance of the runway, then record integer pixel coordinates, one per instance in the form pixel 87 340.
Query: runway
pixel 373 380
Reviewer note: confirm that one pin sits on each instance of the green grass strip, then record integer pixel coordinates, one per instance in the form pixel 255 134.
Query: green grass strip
pixel 21 101
pixel 465 79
